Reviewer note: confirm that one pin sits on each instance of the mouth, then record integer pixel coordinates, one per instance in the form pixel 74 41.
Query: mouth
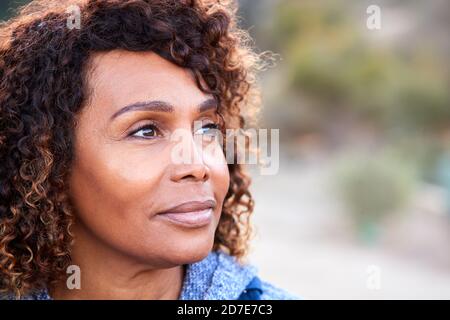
pixel 193 214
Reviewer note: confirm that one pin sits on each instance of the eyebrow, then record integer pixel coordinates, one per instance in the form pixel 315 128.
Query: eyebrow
pixel 162 106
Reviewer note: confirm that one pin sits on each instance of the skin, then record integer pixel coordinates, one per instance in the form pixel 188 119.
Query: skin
pixel 119 182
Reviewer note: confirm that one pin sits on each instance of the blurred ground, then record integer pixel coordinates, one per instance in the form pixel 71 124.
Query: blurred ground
pixel 305 242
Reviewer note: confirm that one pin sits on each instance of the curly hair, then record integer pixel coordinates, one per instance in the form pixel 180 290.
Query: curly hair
pixel 43 71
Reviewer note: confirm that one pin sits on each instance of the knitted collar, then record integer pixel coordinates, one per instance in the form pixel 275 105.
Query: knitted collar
pixel 218 276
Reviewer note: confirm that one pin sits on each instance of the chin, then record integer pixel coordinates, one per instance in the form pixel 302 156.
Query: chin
pixel 187 251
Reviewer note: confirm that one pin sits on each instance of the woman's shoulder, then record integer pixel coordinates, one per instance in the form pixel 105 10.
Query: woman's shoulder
pixel 269 290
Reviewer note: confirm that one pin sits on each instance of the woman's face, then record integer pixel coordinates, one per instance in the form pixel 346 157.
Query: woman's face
pixel 124 175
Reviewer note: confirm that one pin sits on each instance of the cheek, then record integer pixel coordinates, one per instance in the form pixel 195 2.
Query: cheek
pixel 215 159
pixel 116 178
pixel 110 187
pixel 220 178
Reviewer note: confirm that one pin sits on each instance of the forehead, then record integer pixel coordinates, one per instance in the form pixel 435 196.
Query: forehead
pixel 118 78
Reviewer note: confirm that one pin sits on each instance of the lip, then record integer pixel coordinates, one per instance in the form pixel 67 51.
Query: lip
pixel 190 214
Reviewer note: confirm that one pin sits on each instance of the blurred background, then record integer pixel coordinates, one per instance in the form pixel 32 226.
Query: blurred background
pixel 360 207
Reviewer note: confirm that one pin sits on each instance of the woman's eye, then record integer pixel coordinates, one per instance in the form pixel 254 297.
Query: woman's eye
pixel 209 128
pixel 146 131
pixel 150 131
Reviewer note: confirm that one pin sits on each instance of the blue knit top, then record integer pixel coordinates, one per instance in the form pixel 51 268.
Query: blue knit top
pixel 218 276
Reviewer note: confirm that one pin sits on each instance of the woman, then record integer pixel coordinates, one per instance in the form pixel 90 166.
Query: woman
pixel 88 180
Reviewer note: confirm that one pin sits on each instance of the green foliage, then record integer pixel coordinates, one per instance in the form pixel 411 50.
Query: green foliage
pixel 330 59
pixel 374 186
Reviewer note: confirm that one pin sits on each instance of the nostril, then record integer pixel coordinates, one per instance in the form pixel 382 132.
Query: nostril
pixel 192 172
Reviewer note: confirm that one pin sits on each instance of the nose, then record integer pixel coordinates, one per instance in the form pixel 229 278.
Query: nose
pixel 190 172
pixel 194 170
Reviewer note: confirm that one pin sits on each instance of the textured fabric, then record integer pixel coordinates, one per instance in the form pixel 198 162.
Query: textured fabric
pixel 217 277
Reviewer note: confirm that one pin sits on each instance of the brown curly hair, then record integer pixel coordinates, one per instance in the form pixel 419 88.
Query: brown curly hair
pixel 43 70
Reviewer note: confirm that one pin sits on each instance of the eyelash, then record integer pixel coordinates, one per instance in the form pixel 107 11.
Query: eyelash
pixel 145 126
pixel 153 126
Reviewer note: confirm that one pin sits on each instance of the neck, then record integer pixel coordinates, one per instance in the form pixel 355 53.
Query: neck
pixel 108 274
